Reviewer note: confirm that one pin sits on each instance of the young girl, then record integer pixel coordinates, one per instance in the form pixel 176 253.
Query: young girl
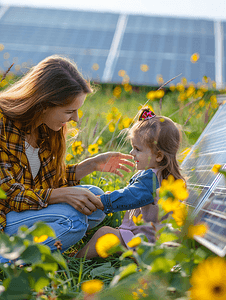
pixel 155 141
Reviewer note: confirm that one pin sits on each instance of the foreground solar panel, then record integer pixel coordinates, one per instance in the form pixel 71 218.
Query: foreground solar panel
pixel 207 191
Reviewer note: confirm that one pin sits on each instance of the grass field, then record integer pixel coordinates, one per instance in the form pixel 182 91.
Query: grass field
pixel 104 118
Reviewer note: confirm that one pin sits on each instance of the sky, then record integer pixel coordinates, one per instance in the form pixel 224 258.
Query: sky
pixel 208 9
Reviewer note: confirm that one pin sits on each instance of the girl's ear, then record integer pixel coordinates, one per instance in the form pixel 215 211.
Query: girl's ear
pixel 159 156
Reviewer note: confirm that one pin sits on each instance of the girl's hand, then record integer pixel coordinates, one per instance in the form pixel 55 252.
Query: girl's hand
pixel 80 198
pixel 112 162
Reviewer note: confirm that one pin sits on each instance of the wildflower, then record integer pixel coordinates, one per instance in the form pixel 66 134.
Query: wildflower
pixel 1 47
pixel 194 58
pixel 190 91
pixel 214 84
pixel 159 94
pixel 208 280
pixel 73 123
pixel 69 157
pixel 80 113
pixel 95 67
pixel 74 132
pixel 93 149
pixel 176 187
pixel 216 168
pixel 125 79
pixel 111 127
pixel 205 79
pixel 92 286
pixel 199 94
pixel 77 147
pixel 180 87
pixel 138 220
pixel 151 95
pixel 40 239
pixel 134 242
pixel 117 91
pixel 127 87
pixel 105 243
pixel 184 81
pixel 121 73
pixel 169 204
pixel 180 214
pixel 172 87
pixel 144 68
pixel 159 79
pixel 198 229
pixel 100 141
pixel 114 115
pixel 201 103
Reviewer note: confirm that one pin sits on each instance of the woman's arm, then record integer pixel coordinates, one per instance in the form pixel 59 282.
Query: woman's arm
pixel 111 162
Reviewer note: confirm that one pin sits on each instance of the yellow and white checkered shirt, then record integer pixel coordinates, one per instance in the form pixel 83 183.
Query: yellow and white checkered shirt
pixel 22 191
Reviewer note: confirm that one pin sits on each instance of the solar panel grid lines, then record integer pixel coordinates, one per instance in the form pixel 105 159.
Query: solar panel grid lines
pixel 207 191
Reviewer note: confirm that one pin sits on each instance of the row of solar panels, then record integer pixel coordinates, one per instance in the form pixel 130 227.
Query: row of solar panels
pixel 162 45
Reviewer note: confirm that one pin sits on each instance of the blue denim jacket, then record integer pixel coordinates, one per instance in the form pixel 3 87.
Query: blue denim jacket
pixel 139 192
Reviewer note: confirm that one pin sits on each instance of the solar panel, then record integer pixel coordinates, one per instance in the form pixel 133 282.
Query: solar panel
pixel 207 191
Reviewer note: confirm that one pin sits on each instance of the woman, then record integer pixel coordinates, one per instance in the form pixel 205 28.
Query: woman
pixel 33 174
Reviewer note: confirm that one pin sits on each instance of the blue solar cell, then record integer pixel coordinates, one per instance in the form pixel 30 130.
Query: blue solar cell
pixel 196 72
pixel 181 68
pixel 166 69
pixel 169 43
pixel 128 41
pixel 156 42
pixel 142 42
pixel 196 44
pixel 182 46
pixel 210 46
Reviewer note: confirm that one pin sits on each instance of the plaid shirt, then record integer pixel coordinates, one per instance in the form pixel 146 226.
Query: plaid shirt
pixel 22 191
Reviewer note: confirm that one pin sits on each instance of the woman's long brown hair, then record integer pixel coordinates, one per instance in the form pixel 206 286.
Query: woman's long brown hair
pixel 55 81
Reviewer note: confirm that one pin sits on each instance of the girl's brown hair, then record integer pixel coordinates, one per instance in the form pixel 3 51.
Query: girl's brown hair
pixel 55 81
pixel 160 134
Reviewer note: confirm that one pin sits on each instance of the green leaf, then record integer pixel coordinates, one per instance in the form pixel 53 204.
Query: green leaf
pixel 128 270
pixel 162 264
pixel 40 228
pixel 60 259
pixel 31 255
pixel 104 269
pixel 17 289
pixel 167 237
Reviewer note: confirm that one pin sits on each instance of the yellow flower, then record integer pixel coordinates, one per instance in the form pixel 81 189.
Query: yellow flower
pixel 77 147
pixel 95 67
pixel 100 141
pixel 138 220
pixel 92 286
pixel 184 81
pixel 105 243
pixel 127 87
pixel 180 214
pixel 134 242
pixel 93 149
pixel 159 79
pixel 69 157
pixel 159 94
pixel 200 93
pixel 74 132
pixel 111 127
pixel 117 91
pixel 73 123
pixel 144 68
pixel 1 47
pixel 176 187
pixel 172 87
pixel 80 113
pixel 216 168
pixel 40 239
pixel 190 91
pixel 180 87
pixel 208 280
pixel 194 58
pixel 121 73
pixel 151 95
pixel 169 204
pixel 198 229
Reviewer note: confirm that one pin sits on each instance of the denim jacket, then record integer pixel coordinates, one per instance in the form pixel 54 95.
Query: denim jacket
pixel 139 192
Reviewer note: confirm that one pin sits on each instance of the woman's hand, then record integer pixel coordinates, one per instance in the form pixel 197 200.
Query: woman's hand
pixel 113 162
pixel 80 198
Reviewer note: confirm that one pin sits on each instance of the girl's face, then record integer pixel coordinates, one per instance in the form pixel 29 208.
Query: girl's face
pixel 56 117
pixel 143 155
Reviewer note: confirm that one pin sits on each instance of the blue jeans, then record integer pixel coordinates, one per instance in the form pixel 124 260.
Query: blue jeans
pixel 69 224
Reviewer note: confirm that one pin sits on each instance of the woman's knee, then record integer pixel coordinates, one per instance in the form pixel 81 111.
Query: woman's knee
pixel 94 189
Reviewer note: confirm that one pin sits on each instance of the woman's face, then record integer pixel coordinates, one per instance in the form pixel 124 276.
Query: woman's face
pixel 56 117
